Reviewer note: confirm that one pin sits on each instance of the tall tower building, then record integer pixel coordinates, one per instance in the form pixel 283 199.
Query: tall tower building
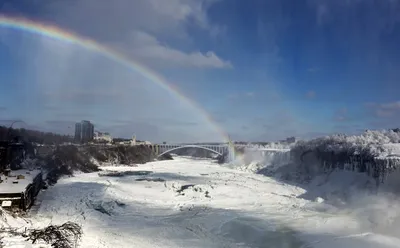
pixel 78 131
pixel 84 131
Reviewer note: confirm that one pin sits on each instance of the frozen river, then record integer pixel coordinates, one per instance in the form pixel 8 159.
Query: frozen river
pixel 197 203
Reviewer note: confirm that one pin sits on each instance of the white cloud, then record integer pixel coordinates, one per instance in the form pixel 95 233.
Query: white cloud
pixel 385 110
pixel 391 106
pixel 145 29
pixel 383 115
pixel 149 49
pixel 65 82
pixel 69 83
pixel 180 10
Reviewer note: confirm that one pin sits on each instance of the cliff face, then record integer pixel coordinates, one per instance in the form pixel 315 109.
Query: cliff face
pixel 65 160
pixel 126 155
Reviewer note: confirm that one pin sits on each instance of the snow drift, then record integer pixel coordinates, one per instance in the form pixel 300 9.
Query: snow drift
pixel 197 203
pixel 17 231
pixel 353 175
pixel 376 153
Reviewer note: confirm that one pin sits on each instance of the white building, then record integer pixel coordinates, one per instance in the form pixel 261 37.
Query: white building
pixel 133 141
pixel 105 137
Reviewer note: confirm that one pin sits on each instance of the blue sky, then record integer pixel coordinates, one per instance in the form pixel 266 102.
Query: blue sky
pixel 263 69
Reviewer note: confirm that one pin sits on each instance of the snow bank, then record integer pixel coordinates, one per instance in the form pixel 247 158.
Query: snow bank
pixel 200 204
pixel 9 221
pixel 369 144
pixel 16 231
pixel 355 195
pixel 353 175
pixel 13 230
pixel 376 153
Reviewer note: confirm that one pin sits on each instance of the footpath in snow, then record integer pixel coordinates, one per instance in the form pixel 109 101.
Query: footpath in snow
pixel 197 203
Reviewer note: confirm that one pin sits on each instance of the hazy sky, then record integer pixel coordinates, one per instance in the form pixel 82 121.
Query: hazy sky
pixel 262 69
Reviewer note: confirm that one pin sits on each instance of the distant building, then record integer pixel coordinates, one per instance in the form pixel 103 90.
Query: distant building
pixel 143 143
pixel 84 131
pixel 87 131
pixel 102 137
pixel 133 141
pixel 291 140
pixel 78 131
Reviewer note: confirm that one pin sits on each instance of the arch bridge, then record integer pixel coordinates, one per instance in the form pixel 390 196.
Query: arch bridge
pixel 224 149
pixel 162 149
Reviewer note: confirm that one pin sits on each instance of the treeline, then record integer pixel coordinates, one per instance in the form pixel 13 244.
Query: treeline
pixel 22 134
pixel 116 140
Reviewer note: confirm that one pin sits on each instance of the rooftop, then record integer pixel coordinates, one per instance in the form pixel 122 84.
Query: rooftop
pixel 7 186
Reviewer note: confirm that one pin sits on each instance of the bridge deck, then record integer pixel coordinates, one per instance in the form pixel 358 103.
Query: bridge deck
pixel 220 149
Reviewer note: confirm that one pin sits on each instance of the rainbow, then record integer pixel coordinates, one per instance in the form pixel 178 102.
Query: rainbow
pixel 62 35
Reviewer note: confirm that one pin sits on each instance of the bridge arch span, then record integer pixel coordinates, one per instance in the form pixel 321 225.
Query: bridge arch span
pixel 190 146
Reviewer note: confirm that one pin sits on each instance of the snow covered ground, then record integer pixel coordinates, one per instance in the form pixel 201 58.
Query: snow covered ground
pixel 197 203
